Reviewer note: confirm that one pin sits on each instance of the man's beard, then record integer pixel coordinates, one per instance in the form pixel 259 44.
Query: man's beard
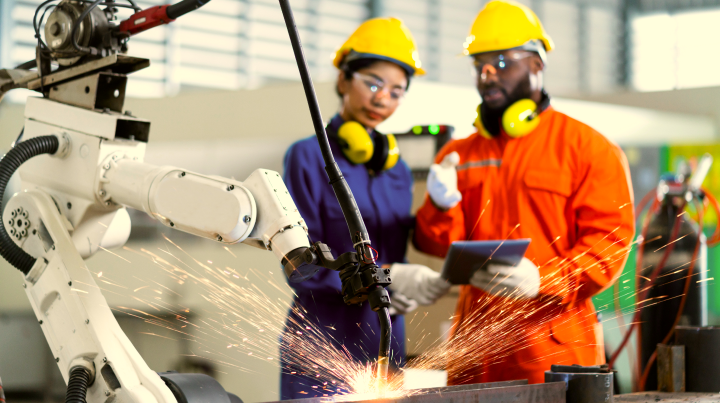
pixel 521 91
pixel 492 117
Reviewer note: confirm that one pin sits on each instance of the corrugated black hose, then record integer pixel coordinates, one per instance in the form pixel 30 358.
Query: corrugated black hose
pixel 77 385
pixel 8 165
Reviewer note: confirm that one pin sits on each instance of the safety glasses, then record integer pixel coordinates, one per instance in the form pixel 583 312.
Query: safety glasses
pixel 499 63
pixel 378 86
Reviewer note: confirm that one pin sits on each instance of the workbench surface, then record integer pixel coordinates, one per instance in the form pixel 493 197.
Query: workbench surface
pixel 653 397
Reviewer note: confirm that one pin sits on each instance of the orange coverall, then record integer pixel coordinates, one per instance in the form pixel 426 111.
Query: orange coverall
pixel 569 189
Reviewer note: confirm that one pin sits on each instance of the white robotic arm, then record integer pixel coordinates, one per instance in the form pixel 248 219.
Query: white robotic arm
pixel 258 211
pixel 98 171
pixel 74 201
pixel 82 164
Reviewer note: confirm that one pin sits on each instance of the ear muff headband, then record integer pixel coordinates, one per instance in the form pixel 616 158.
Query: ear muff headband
pixel 359 148
pixel 480 127
pixel 393 152
pixel 518 120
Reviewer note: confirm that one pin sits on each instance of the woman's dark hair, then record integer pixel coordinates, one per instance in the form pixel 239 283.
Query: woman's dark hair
pixel 351 67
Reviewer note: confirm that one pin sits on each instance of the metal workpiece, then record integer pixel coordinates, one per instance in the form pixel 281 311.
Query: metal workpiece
pixel 663 397
pixel 671 368
pixel 584 384
pixel 702 357
pixel 495 392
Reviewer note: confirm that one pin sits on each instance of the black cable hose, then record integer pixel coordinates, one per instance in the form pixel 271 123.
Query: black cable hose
pixel 185 6
pixel 77 385
pixel 8 165
pixel 344 195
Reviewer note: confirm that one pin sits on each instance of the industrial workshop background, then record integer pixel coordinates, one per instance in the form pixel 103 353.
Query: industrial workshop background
pixel 602 45
pixel 224 97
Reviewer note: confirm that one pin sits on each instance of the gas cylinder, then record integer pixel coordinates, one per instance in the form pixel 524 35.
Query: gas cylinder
pixel 658 314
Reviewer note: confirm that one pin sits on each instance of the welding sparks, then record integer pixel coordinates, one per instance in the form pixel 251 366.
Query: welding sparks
pixel 311 351
pixel 247 321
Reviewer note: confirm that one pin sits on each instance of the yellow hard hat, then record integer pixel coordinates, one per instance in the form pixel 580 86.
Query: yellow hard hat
pixel 385 39
pixel 504 25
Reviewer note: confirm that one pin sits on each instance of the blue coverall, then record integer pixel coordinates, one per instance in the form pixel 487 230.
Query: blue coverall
pixel 384 201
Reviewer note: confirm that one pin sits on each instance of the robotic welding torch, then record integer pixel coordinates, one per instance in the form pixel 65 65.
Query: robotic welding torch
pixel 158 15
pixel 361 277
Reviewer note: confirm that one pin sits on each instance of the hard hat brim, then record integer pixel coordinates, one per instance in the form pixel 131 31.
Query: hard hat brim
pixel 352 55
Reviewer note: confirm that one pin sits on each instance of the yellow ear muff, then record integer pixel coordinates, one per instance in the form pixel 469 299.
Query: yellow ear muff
pixel 393 152
pixel 520 118
pixel 356 143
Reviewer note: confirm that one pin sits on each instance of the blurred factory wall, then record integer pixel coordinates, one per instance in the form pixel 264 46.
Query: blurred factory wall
pixel 233 44
pixel 697 101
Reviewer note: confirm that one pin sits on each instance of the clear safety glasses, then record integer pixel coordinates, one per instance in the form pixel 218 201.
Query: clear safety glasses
pixel 499 63
pixel 378 86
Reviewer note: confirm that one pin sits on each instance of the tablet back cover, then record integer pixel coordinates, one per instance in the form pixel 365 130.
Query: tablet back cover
pixel 465 257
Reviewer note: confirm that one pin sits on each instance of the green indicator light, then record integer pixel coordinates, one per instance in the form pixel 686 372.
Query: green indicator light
pixel 417 129
pixel 434 129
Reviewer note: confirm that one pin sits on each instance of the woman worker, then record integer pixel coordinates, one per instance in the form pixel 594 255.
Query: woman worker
pixel 375 66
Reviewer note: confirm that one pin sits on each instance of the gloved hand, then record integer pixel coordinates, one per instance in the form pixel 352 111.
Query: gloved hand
pixel 401 305
pixel 521 281
pixel 442 182
pixel 418 282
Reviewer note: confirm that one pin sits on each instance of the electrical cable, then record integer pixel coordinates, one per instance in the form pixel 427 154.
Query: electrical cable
pixel 642 294
pixel 344 195
pixel 681 308
pixel 642 378
pixel 714 239
pixel 616 287
pixel 76 26
pixel 36 26
pixel 8 165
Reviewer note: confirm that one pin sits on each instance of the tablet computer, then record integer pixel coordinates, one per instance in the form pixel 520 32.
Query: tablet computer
pixel 465 257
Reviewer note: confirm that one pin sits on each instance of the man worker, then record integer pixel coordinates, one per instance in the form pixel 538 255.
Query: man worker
pixel 528 172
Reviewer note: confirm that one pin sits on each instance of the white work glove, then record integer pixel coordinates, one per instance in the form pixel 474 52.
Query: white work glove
pixel 442 182
pixel 521 281
pixel 401 305
pixel 418 282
